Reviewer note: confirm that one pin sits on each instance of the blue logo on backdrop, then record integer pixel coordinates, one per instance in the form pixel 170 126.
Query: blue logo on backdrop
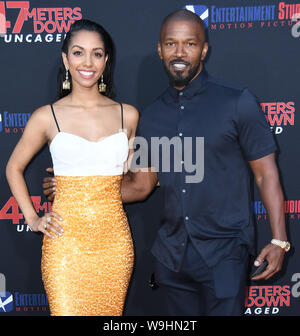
pixel 201 11
pixel 13 122
pixel 246 17
pixel 6 302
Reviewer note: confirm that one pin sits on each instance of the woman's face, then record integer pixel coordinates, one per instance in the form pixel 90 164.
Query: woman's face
pixel 86 58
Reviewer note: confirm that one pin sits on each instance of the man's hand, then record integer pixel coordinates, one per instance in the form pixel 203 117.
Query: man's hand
pixel 49 186
pixel 136 186
pixel 274 255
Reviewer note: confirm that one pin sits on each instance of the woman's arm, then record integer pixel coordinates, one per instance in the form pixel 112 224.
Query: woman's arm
pixel 33 139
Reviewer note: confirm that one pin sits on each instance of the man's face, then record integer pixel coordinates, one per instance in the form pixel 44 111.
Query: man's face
pixel 182 48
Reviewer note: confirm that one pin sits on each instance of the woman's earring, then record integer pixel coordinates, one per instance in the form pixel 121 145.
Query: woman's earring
pixel 102 85
pixel 66 82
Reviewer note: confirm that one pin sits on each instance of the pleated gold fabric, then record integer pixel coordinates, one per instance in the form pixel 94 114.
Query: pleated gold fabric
pixel 87 270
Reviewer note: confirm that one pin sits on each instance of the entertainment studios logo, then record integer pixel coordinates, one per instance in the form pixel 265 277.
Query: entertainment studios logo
pixel 6 302
pixel 20 302
pixel 12 123
pixel 291 209
pixel 19 23
pixel 249 17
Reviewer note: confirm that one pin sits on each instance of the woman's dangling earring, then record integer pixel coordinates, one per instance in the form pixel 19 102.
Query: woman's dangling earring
pixel 102 85
pixel 66 82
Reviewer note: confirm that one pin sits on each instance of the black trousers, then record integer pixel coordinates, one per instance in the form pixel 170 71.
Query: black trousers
pixel 197 290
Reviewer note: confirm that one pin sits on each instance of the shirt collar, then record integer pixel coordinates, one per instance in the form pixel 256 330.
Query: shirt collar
pixel 194 87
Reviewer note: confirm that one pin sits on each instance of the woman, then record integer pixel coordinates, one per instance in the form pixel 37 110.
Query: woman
pixel 87 259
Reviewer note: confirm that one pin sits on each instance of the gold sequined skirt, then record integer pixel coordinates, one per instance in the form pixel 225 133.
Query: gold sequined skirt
pixel 87 270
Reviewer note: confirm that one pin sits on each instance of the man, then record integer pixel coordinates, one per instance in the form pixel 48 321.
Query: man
pixel 203 245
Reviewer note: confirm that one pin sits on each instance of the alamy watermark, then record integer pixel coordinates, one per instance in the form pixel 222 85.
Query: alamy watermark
pixel 175 154
pixel 296 27
pixel 2 284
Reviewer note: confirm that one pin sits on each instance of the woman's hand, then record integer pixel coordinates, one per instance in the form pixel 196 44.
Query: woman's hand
pixel 48 225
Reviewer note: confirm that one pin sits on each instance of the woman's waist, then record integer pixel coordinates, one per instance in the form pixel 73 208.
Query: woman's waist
pixel 83 204
pixel 101 179
pixel 88 188
pixel 90 219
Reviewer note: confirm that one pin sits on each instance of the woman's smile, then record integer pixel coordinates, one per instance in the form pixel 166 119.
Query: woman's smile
pixel 86 74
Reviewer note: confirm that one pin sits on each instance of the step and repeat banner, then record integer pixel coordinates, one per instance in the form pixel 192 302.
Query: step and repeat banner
pixel 253 43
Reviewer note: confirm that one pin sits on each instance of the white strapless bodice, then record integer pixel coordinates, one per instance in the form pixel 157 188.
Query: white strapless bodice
pixel 73 155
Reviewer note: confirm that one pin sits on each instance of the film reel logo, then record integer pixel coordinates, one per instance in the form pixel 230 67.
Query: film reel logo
pixel 201 10
pixel 6 298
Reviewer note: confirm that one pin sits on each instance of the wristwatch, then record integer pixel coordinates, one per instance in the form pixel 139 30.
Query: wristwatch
pixel 281 243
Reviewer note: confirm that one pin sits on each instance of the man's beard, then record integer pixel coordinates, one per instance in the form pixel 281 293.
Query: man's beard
pixel 177 79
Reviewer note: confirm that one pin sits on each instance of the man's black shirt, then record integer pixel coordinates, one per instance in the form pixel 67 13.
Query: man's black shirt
pixel 215 212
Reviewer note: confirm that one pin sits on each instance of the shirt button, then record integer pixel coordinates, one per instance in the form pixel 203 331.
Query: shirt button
pixel 182 244
pixel 183 190
pixel 180 93
pixel 182 107
pixel 180 134
pixel 186 217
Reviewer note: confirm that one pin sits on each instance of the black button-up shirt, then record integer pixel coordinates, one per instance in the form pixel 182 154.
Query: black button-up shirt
pixel 214 212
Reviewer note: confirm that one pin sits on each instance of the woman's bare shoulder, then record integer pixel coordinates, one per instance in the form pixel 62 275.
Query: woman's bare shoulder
pixel 130 113
pixel 39 121
pixel 42 113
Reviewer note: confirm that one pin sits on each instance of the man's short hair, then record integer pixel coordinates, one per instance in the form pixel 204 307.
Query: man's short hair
pixel 183 15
